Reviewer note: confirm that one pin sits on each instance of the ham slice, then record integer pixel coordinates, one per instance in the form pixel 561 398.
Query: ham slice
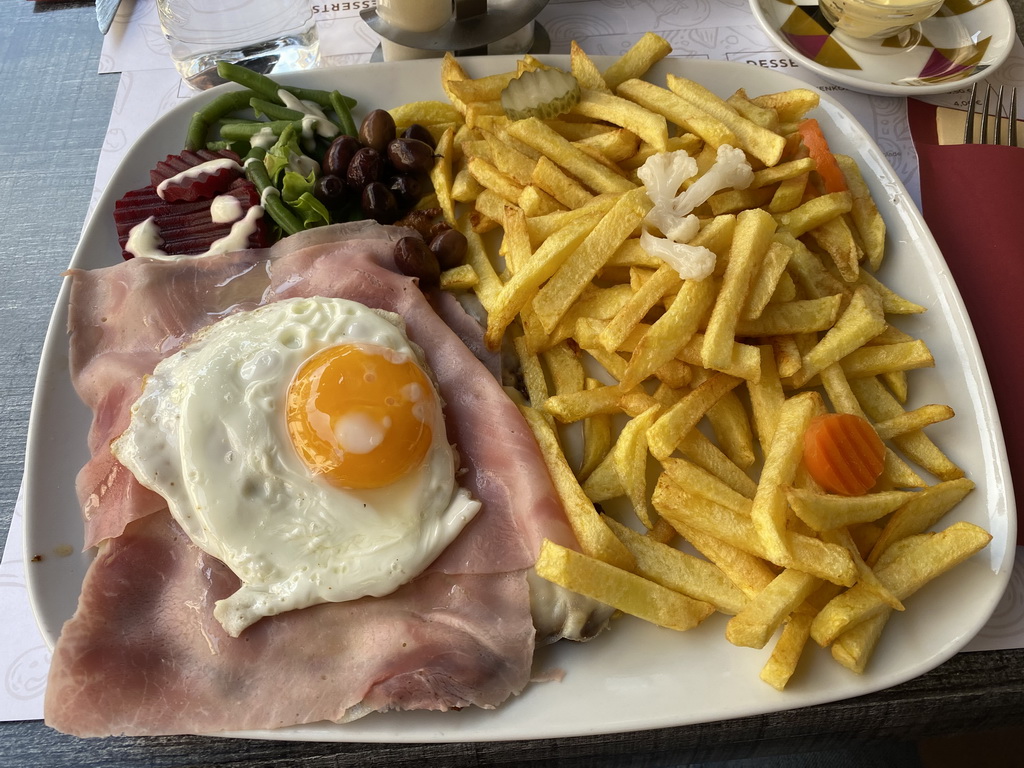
pixel 143 653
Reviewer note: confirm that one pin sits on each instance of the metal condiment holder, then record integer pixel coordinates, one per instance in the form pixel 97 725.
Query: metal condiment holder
pixel 471 29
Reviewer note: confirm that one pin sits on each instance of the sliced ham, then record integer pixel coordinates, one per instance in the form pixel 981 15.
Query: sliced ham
pixel 122 321
pixel 143 653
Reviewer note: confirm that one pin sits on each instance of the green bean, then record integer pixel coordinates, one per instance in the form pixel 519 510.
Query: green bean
pixel 262 85
pixel 317 96
pixel 238 147
pixel 323 98
pixel 270 196
pixel 341 108
pixel 243 130
pixel 274 111
pixel 277 112
pixel 267 88
pixel 225 103
pixel 262 94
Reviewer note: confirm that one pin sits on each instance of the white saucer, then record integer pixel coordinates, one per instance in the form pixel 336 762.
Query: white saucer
pixel 966 41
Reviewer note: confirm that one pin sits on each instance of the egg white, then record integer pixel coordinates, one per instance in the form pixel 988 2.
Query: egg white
pixel 208 433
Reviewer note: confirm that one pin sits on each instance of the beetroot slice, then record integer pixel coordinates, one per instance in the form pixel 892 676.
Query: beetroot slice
pixel 172 165
pixel 186 227
pixel 204 186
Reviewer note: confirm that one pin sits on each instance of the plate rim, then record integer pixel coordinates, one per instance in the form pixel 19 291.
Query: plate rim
pixel 330 732
pixel 762 14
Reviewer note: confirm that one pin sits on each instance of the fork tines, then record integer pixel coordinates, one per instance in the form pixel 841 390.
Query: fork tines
pixel 1011 134
pixel 996 114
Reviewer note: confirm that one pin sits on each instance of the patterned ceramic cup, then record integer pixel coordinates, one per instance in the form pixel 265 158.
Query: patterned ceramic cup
pixel 877 19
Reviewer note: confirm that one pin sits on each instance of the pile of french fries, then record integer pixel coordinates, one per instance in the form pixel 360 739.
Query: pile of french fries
pixel 691 397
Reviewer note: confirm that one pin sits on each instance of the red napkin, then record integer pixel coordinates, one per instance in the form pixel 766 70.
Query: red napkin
pixel 972 198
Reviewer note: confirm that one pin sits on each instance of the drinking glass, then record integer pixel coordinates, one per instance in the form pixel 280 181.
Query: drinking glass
pixel 263 35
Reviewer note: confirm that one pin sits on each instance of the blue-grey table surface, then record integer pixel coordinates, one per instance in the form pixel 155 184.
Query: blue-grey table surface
pixel 57 108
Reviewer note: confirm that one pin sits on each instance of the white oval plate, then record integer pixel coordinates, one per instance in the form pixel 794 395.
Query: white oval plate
pixel 964 42
pixel 635 676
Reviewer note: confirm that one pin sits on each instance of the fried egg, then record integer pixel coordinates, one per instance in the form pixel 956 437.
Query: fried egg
pixel 302 444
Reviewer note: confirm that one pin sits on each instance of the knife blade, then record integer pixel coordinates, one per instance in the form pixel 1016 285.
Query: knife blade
pixel 105 11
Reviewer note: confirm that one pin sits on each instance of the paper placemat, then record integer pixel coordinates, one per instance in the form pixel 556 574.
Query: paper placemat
pixel 721 31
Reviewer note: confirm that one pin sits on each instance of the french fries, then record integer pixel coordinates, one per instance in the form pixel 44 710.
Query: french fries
pixel 620 589
pixel 692 396
pixel 925 557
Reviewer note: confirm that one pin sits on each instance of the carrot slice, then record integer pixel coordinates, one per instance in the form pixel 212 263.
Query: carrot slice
pixel 843 453
pixel 817 146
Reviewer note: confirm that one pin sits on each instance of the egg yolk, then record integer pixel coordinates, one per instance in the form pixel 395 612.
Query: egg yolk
pixel 361 416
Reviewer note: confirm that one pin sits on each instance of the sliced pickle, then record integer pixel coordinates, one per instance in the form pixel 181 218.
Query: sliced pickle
pixel 541 93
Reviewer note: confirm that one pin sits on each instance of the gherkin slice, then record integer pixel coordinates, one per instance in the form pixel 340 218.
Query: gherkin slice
pixel 541 93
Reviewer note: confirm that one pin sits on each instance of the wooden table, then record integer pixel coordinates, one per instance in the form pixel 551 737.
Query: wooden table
pixel 57 109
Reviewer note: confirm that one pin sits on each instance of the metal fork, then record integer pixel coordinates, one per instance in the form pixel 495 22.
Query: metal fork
pixel 997 132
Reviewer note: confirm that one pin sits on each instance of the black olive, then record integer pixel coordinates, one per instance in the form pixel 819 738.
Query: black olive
pixel 410 156
pixel 436 229
pixel 378 203
pixel 407 189
pixel 421 220
pixel 378 130
pixel 366 166
pixel 418 132
pixel 330 190
pixel 339 155
pixel 450 248
pixel 414 258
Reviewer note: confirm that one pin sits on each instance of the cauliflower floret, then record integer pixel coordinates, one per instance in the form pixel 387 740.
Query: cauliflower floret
pixel 673 227
pixel 691 262
pixel 663 174
pixel 730 171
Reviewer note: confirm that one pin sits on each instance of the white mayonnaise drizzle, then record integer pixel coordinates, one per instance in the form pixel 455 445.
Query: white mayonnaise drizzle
pixel 144 239
pixel 225 209
pixel 314 122
pixel 269 191
pixel 210 166
pixel 238 237
pixel 264 138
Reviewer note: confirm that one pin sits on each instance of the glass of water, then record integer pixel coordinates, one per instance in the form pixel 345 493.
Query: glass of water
pixel 262 35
